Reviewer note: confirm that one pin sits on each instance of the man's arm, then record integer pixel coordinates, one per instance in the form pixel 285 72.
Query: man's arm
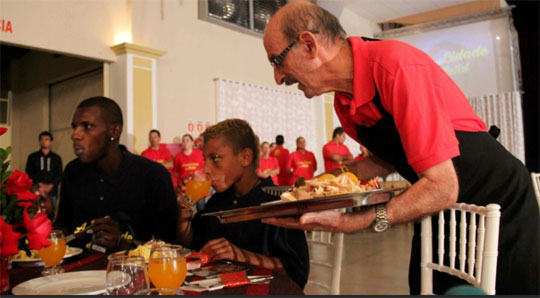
pixel 436 190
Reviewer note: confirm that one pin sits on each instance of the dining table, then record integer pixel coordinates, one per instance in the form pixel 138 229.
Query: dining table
pixel 281 284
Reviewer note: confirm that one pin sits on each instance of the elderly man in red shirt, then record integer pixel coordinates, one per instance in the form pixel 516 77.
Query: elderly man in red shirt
pixel 401 105
pixel 335 153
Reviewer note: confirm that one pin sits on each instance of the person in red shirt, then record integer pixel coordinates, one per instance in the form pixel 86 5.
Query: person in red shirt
pixel 302 163
pixel 187 161
pixel 335 153
pixel 414 119
pixel 268 165
pixel 159 152
pixel 282 155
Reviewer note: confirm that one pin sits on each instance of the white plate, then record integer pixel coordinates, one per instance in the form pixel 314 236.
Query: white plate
pixel 92 282
pixel 37 262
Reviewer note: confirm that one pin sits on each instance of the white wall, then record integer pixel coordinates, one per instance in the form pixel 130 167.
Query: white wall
pixel 84 28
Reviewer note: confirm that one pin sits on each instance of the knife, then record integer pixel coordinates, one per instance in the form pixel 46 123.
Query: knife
pixel 75 235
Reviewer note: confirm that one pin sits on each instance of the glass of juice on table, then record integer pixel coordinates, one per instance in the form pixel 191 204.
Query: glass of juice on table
pixel 53 254
pixel 167 267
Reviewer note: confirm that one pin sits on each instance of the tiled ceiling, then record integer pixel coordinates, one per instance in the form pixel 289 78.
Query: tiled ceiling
pixel 379 11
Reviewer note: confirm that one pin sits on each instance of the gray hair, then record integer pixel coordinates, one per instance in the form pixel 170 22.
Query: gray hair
pixel 311 18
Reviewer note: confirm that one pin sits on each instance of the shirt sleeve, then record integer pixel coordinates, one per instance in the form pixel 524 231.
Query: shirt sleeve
pixel 290 247
pixel 164 206
pixel 63 218
pixel 423 123
pixel 30 169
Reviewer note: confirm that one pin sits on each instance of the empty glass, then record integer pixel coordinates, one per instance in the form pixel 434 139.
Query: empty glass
pixel 126 275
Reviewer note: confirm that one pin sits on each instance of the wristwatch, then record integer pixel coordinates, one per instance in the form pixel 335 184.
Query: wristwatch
pixel 381 221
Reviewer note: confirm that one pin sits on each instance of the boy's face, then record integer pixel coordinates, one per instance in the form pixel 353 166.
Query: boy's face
pixel 221 165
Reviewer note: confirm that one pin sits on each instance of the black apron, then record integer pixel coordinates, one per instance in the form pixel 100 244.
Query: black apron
pixel 487 173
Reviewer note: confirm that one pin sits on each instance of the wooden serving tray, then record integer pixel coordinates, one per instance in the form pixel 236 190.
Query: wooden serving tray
pixel 281 208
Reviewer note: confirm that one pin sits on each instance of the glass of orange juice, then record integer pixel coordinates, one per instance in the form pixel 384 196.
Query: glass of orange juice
pixel 196 188
pixel 53 254
pixel 167 267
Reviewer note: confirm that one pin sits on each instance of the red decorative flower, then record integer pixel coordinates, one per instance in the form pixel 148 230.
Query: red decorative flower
pixel 19 183
pixel 8 239
pixel 2 130
pixel 38 229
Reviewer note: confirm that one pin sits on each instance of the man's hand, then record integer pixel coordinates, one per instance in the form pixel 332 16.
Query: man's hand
pixel 107 232
pixel 181 186
pixel 330 221
pixel 222 249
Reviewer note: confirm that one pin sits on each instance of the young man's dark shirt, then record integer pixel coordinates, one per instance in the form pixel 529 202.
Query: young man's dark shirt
pixel 138 195
pixel 45 169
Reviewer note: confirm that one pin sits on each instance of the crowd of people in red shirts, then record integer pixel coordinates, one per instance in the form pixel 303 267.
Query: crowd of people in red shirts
pixel 275 161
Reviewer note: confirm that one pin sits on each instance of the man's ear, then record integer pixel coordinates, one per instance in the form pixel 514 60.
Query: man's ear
pixel 115 131
pixel 246 157
pixel 309 41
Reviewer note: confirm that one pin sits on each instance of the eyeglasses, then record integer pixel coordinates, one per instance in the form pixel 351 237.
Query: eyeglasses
pixel 276 61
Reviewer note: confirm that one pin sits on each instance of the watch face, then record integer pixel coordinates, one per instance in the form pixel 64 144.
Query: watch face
pixel 381 226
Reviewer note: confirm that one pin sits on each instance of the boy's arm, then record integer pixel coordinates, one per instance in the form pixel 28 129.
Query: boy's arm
pixel 221 249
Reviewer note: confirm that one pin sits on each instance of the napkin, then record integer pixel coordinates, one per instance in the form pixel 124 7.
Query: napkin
pixel 234 279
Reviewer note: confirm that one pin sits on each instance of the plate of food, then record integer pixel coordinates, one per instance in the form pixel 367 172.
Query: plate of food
pixel 326 192
pixel 33 260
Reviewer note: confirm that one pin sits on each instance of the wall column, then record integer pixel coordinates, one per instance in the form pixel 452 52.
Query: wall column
pixel 132 84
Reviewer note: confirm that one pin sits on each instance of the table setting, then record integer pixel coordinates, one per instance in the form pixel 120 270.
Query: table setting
pixel 170 270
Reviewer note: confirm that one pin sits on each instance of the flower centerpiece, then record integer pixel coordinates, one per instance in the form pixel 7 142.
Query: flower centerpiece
pixel 22 226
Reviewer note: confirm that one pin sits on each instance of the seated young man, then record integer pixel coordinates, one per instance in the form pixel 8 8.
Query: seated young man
pixel 231 153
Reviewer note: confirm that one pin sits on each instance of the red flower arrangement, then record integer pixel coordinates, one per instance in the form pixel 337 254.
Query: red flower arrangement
pixel 19 223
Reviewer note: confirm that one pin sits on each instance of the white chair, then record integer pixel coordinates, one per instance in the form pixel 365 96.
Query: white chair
pixel 331 242
pixel 536 183
pixel 480 256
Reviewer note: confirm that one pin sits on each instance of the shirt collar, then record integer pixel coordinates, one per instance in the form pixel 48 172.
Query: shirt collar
pixel 363 88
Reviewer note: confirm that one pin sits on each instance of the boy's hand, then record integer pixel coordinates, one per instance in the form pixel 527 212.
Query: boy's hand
pixel 222 249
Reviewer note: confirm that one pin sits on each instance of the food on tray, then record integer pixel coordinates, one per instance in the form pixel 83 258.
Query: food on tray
pixel 143 250
pixel 34 254
pixel 330 185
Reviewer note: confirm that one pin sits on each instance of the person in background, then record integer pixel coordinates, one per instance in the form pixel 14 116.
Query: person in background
pixel 401 105
pixel 231 151
pixel 188 160
pixel 335 153
pixel 268 165
pixel 302 163
pixel 198 142
pixel 159 152
pixel 186 163
pixel 282 155
pixel 44 167
pixel 364 153
pixel 272 146
pixel 127 198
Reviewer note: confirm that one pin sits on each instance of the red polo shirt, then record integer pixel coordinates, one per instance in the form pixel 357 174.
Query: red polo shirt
pixel 270 163
pixel 161 155
pixel 426 104
pixel 302 164
pixel 282 155
pixel 184 164
pixel 333 148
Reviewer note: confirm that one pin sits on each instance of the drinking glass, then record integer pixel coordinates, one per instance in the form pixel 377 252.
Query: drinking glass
pixel 167 266
pixel 126 275
pixel 197 187
pixel 54 253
